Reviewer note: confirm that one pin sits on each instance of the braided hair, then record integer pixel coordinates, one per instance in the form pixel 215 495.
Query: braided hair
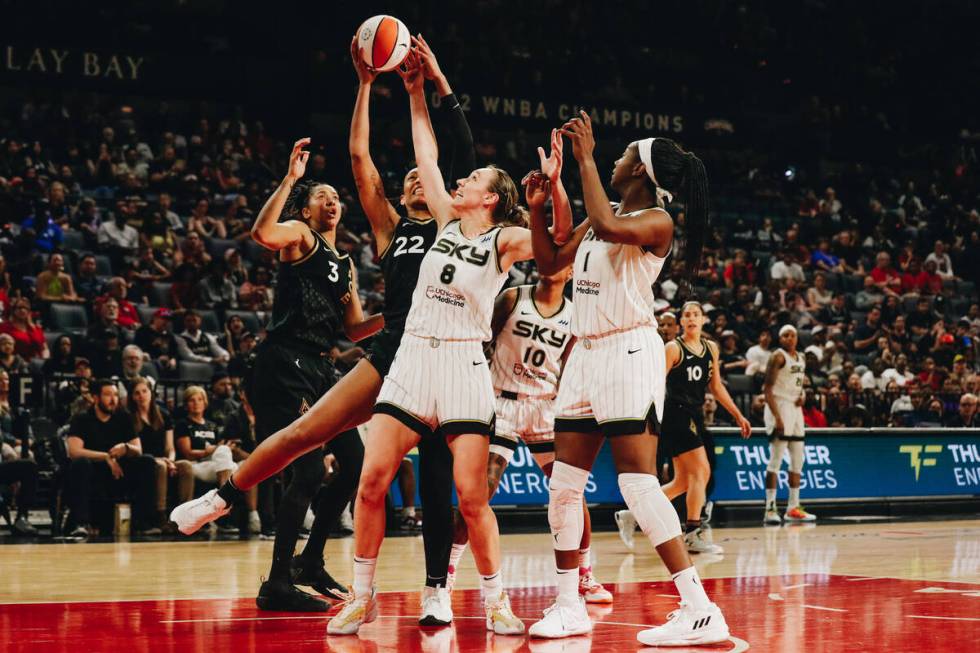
pixel 299 198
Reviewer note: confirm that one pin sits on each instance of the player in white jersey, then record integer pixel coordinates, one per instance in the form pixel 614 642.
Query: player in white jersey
pixel 532 338
pixel 783 388
pixel 613 384
pixel 440 379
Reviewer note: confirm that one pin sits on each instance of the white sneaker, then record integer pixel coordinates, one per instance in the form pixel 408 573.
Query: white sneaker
pixel 565 618
pixel 500 618
pixel 772 518
pixel 437 608
pixel 688 627
pixel 709 507
pixel 626 523
pixel 696 542
pixel 355 612
pixel 592 590
pixel 254 523
pixel 797 513
pixel 191 515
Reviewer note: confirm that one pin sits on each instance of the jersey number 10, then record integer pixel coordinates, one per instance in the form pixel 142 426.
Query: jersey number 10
pixel 694 374
pixel 534 356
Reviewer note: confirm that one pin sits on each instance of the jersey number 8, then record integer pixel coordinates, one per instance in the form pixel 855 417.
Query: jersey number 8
pixel 448 273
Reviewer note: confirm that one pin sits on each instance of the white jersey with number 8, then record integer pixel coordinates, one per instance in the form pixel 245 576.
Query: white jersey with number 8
pixel 458 281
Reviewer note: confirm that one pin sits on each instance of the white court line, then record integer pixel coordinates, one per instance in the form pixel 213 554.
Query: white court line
pixel 793 587
pixel 922 616
pixel 820 607
pixel 669 596
pixel 858 580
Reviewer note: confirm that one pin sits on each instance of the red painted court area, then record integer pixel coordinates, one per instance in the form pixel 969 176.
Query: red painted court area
pixel 812 613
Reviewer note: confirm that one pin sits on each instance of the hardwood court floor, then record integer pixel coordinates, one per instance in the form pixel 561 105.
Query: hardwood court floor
pixel 832 587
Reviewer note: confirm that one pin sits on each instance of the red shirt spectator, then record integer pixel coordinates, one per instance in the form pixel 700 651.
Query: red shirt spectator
pixel 884 275
pixel 29 337
pixel 813 417
pixel 117 287
pixel 739 272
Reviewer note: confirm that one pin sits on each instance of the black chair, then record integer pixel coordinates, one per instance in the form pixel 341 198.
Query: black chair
pixel 210 322
pixel 103 265
pixel 195 372
pixel 740 384
pixel 160 293
pixel 68 317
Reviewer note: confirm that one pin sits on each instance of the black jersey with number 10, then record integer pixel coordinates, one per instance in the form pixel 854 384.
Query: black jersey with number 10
pixel 688 380
pixel 311 294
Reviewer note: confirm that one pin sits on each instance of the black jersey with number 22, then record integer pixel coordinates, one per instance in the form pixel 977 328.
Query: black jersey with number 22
pixel 400 264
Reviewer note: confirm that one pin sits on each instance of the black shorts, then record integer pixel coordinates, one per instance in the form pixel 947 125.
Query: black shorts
pixel 683 430
pixel 286 381
pixel 384 346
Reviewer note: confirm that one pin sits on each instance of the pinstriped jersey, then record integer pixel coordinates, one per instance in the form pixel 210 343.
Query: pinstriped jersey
pixel 527 355
pixel 458 282
pixel 613 285
pixel 788 385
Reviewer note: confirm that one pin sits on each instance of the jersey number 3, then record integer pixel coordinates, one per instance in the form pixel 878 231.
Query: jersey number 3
pixel 414 248
pixel 334 268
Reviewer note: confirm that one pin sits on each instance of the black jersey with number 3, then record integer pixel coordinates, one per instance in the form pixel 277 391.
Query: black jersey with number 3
pixel 688 380
pixel 400 264
pixel 311 293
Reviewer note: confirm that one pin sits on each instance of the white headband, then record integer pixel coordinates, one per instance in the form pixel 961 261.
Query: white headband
pixel 787 328
pixel 645 147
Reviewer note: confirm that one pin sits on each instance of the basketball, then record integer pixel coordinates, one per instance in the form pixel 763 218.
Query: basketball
pixel 384 42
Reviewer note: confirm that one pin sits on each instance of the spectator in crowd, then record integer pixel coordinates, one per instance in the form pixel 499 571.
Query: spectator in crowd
pixel 107 457
pixel 942 261
pixel 967 415
pixel 203 224
pixel 818 296
pixel 148 270
pixel 813 417
pixel 874 378
pixel 43 231
pixel 103 340
pixel 731 359
pixel 10 361
pixel 866 335
pixel 193 252
pixel 712 416
pixel 786 267
pixel 885 276
pixel 767 237
pixel 135 367
pixel 234 329
pixel 117 238
pixel 959 373
pixel 237 271
pixel 256 293
pixel 155 429
pixel 869 296
pixel 87 284
pixel 836 314
pixel 54 284
pixel 222 402
pixel 198 440
pixel 757 410
pixel 238 365
pixel 931 377
pixel 127 317
pixel 195 345
pixel 739 271
pixel 62 361
pixel 159 343
pixel 16 471
pixel 814 370
pixel 157 236
pixel 164 208
pixel 823 259
pixel 216 289
pixel 758 354
pixel 899 373
pixel 29 339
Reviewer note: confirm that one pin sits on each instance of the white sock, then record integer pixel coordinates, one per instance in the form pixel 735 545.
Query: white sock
pixel 567 584
pixel 364 575
pixel 585 559
pixel 688 585
pixel 408 511
pixel 491 586
pixel 794 497
pixel 455 555
pixel 253 513
pixel 770 499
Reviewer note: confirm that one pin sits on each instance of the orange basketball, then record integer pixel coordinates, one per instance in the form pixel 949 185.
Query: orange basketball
pixel 384 42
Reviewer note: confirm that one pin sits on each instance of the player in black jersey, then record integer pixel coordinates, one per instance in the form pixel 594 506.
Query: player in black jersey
pixel 316 299
pixel 692 368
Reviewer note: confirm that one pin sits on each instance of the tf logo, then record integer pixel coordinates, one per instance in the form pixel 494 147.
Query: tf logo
pixel 916 459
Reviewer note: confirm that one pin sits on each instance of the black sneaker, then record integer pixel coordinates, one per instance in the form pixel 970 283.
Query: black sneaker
pixel 314 574
pixel 283 597
pixel 23 527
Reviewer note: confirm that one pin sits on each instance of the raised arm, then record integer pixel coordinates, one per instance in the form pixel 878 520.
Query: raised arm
pixel 561 208
pixel 651 228
pixel 720 392
pixel 549 257
pixel 424 140
pixel 370 188
pixel 356 326
pixel 267 230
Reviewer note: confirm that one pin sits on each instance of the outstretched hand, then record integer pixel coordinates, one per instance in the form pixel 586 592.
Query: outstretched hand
pixel 297 159
pixel 551 164
pixel 537 189
pixel 745 427
pixel 411 72
pixel 579 131
pixel 430 65
pixel 365 74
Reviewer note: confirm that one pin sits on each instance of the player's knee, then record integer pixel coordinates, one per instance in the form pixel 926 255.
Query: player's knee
pixel 371 490
pixel 653 511
pixel 471 502
pixel 699 473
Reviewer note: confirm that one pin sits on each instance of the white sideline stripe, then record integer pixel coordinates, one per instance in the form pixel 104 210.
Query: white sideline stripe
pixel 922 616
pixel 793 587
pixel 820 607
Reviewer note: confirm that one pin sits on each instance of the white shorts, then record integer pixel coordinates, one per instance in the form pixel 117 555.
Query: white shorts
pixel 207 470
pixel 792 419
pixel 529 419
pixel 614 384
pixel 437 384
